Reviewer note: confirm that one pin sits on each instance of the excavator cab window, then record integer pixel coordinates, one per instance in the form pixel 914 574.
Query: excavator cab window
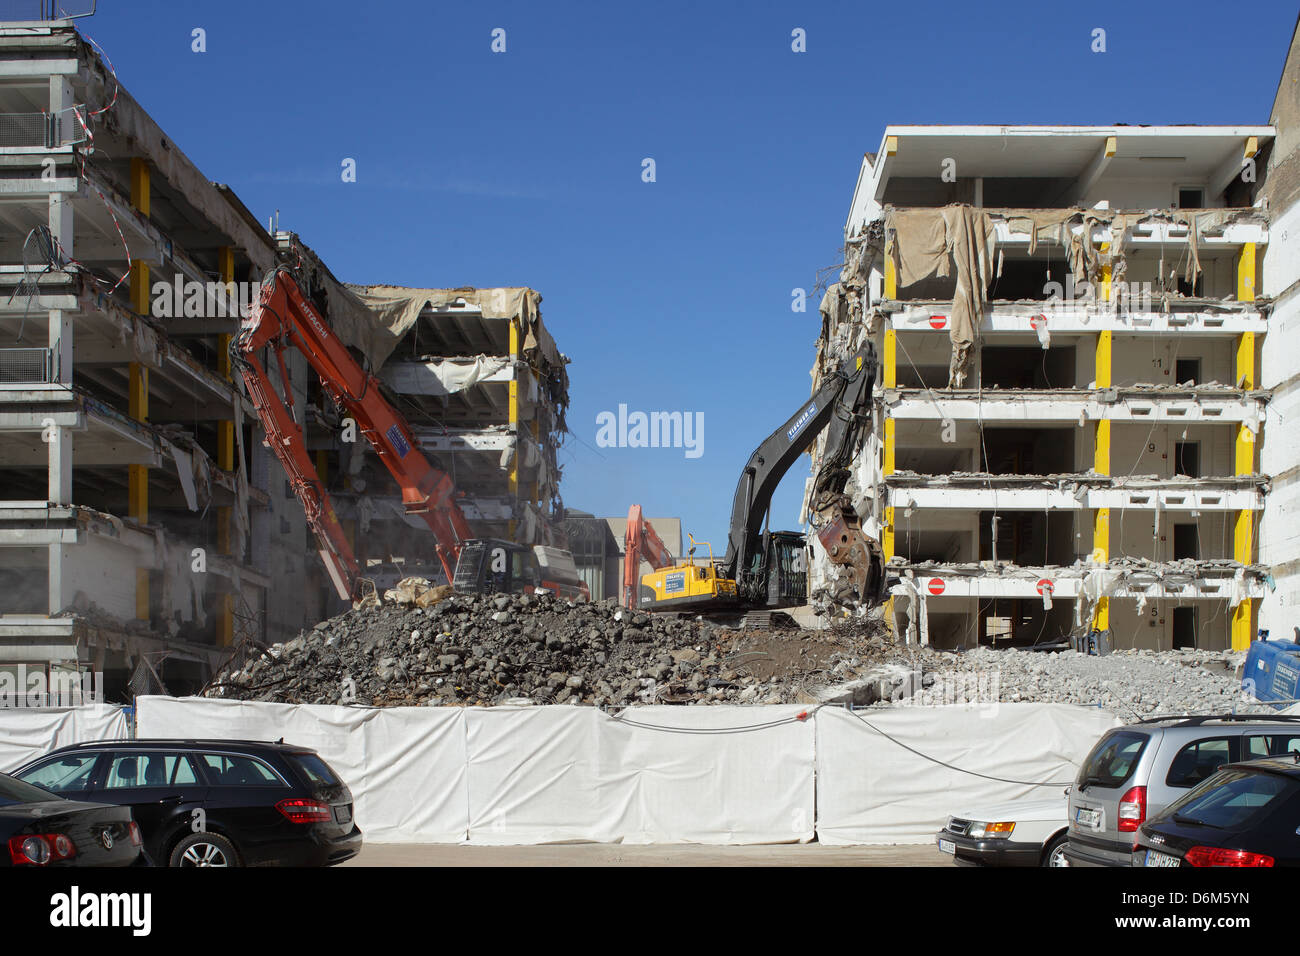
pixel 527 571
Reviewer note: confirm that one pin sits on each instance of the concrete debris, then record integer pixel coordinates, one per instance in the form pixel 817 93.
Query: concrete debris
pixel 1130 684
pixel 503 649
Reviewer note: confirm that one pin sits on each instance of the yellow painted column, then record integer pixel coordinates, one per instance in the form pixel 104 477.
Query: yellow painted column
pixel 138 383
pixel 1101 464
pixel 1243 537
pixel 225 454
pixel 890 370
pixel 514 422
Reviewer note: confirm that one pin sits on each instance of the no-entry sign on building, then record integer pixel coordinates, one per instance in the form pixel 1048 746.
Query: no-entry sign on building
pixel 936 585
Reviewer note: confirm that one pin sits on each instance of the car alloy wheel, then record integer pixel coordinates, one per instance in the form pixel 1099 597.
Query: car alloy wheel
pixel 1057 857
pixel 204 854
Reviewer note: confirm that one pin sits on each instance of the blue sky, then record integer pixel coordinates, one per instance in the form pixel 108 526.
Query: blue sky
pixel 524 168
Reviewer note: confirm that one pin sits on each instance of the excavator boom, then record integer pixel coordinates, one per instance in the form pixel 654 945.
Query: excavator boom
pixel 767 569
pixel 283 317
pixel 640 543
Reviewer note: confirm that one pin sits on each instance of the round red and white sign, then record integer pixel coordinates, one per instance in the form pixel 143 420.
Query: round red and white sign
pixel 938 321
pixel 1036 322
pixel 935 585
pixel 1045 585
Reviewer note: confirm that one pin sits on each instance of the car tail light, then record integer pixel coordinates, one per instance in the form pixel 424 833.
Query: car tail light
pixel 304 811
pixel 38 849
pixel 134 830
pixel 1132 809
pixel 1219 856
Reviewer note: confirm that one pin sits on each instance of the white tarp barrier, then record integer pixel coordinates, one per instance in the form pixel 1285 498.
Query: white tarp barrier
pixel 405 766
pixel 872 790
pixel 655 775
pixel 29 732
pixel 726 774
pixel 511 775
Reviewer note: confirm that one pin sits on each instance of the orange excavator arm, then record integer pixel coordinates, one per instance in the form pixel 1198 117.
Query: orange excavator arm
pixel 640 543
pixel 283 317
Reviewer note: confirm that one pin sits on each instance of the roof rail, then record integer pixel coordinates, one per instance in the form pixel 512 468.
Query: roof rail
pixel 1196 721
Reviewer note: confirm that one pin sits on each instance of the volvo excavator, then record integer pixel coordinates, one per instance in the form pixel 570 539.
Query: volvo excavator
pixel 765 569
pixel 284 317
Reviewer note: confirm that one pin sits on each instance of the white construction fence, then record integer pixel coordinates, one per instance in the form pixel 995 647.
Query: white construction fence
pixel 28 732
pixel 721 775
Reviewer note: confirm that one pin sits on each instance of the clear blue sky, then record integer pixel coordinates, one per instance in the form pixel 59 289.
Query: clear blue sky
pixel 524 168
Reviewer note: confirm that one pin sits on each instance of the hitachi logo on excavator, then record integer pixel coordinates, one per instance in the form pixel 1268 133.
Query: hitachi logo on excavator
pixel 802 420
pixel 317 324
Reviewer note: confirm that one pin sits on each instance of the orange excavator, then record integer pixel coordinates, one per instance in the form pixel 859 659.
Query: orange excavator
pixel 283 317
pixel 640 543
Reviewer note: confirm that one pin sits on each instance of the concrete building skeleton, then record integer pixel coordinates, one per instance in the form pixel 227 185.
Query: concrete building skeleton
pixel 1082 454
pixel 143 525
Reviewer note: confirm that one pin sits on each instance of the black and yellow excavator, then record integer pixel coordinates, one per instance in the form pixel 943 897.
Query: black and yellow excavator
pixel 766 569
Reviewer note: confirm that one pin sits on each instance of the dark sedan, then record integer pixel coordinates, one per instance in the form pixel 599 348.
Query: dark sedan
pixel 1243 816
pixel 40 829
pixel 213 803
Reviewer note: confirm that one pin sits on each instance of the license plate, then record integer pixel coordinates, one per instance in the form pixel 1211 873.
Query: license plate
pixel 343 814
pixel 947 846
pixel 1088 819
pixel 1155 858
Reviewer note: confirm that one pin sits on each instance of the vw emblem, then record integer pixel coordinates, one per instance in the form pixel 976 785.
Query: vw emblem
pixel 106 838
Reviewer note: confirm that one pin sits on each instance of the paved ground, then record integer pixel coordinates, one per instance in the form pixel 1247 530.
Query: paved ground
pixel 612 854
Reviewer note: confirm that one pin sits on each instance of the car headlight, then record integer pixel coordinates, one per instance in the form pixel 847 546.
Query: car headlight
pixel 990 831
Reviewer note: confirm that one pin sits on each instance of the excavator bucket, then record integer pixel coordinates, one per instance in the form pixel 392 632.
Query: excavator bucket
pixel 840 532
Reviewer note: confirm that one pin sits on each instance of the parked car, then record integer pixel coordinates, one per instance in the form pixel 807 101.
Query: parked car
pixel 213 802
pixel 1020 833
pixel 1243 816
pixel 41 829
pixel 1134 772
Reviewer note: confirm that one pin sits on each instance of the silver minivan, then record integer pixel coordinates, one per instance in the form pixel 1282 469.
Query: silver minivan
pixel 1134 772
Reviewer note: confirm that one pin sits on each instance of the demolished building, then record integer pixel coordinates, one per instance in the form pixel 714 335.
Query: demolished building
pixel 1070 326
pixel 143 524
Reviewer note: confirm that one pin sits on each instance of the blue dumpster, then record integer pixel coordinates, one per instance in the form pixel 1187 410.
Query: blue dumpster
pixel 1272 671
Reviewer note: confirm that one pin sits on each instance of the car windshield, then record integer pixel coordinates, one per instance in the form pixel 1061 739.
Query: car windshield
pixel 1113 759
pixel 1231 798
pixel 15 791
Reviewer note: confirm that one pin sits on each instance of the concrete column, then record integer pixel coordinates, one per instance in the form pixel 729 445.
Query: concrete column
pixel 55 579
pixel 890 369
pixel 514 424
pixel 225 456
pixel 1243 537
pixel 138 475
pixel 1101 464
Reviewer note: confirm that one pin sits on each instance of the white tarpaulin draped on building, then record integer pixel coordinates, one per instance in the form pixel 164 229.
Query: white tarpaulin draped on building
pixel 726 774
pixel 872 790
pixel 29 732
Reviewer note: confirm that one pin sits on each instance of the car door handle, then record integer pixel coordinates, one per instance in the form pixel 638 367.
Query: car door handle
pixel 177 798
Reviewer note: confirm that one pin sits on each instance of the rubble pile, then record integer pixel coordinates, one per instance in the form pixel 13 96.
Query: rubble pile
pixel 1130 683
pixel 464 649
pixel 424 646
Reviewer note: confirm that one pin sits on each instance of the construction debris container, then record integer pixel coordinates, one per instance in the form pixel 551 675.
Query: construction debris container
pixel 1272 672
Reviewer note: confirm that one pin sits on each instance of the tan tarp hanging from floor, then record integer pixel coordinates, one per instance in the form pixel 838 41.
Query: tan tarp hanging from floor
pixel 931 241
pixel 397 309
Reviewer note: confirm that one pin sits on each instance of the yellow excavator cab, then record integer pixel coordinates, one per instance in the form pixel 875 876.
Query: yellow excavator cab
pixel 689 583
